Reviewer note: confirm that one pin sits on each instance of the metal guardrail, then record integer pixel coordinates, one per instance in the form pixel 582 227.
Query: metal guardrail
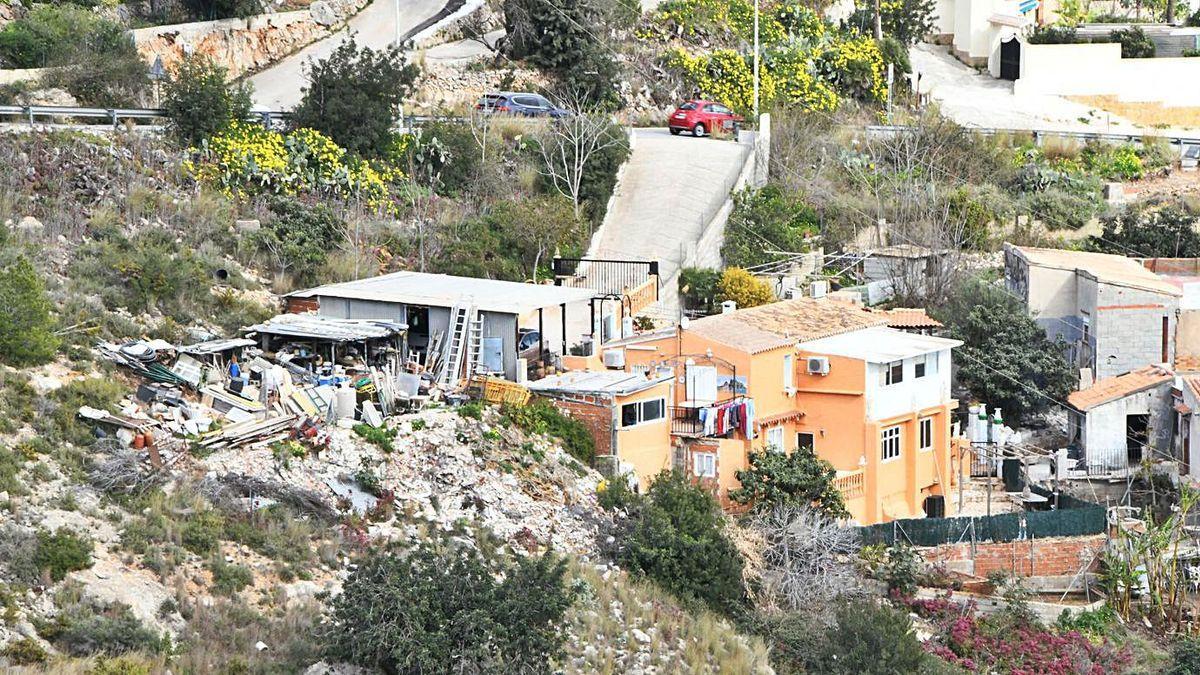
pixel 32 113
pixel 1039 134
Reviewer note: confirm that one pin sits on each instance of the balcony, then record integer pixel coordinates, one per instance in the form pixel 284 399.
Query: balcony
pixel 852 484
pixel 686 422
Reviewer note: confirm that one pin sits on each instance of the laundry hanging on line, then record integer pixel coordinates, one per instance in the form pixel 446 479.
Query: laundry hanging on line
pixel 722 418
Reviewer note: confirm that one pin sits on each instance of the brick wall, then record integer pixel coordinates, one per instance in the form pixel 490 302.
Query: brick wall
pixel 595 413
pixel 1056 556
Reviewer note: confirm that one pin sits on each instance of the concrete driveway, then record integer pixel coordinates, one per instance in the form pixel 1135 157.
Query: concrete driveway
pixel 671 189
pixel 278 87
pixel 976 99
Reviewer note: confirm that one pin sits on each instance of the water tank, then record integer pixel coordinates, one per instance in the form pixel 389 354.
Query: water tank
pixel 345 400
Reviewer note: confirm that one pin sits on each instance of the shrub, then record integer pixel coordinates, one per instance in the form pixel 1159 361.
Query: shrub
pixel 869 639
pixel 775 478
pixel 201 534
pixel 62 423
pixel 554 36
pixel 229 579
pixel 26 326
pixel 380 437
pixel 85 630
pixel 24 652
pixel 1168 231
pixel 744 288
pixel 677 539
pixel 766 220
pixel 895 53
pixel 199 102
pixel 616 495
pixel 61 552
pixel 354 96
pixel 453 156
pixel 1053 35
pixel 300 237
pixel 1058 209
pixel 1113 163
pixel 908 21
pixel 422 610
pixel 210 10
pixel 698 289
pixel 471 410
pixel 1135 44
pixel 542 417
pixel 1185 652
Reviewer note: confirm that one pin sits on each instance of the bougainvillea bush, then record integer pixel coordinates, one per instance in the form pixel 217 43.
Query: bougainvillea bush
pixel 1005 643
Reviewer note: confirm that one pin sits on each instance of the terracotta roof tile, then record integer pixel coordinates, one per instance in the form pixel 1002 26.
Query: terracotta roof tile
pixel 779 324
pixel 904 317
pixel 1113 388
pixel 1193 383
pixel 1187 364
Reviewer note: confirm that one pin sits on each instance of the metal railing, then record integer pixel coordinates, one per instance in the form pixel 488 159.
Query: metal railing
pixel 1040 134
pixel 609 277
pixel 686 422
pixel 72 114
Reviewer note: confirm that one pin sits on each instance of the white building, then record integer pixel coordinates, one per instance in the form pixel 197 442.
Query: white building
pixel 1120 421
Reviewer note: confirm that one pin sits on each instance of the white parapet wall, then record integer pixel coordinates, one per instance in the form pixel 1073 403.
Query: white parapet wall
pixel 1099 70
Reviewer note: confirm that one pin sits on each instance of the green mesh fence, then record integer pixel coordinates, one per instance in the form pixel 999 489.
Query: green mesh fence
pixel 1073 517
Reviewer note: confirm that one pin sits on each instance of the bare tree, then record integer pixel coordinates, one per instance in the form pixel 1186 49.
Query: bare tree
pixel 806 559
pixel 484 26
pixel 569 145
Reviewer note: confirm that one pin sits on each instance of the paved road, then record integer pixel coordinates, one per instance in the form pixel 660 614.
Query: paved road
pixel 670 190
pixel 278 87
pixel 974 99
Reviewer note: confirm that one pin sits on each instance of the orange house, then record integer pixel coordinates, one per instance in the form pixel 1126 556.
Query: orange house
pixel 809 373
pixel 626 414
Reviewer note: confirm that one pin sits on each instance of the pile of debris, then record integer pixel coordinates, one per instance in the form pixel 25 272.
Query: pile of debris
pixel 446 470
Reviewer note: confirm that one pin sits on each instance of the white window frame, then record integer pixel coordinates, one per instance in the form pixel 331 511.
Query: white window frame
pixel 922 424
pixel 775 432
pixel 789 374
pixel 704 464
pixel 641 412
pixel 887 373
pixel 891 443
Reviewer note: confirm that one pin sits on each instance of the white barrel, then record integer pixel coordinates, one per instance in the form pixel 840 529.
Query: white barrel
pixel 345 401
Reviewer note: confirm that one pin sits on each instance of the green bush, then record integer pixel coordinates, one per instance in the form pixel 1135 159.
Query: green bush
pixel 554 36
pixel 1053 35
pixel 616 495
pixel 513 240
pixel 85 630
pixel 1168 231
pixel 199 102
pixel 1185 653
pixel 764 222
pixel 300 236
pixel 677 539
pixel 869 639
pixel 698 289
pixel 354 96
pixel 229 579
pixel 24 652
pixel 451 155
pixel 61 424
pixel 62 552
pixel 425 609
pixel 908 21
pixel 472 410
pixel 210 10
pixel 895 53
pixel 775 478
pixel 26 326
pixel 1113 163
pixel 542 417
pixel 202 532
pixel 1061 210
pixel 380 437
pixel 1135 44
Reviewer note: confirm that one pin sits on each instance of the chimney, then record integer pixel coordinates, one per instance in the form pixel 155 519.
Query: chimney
pixel 728 307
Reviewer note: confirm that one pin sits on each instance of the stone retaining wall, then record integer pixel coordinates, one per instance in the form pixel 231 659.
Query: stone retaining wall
pixel 245 45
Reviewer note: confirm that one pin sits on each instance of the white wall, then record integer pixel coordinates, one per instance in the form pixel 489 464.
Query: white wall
pixel 910 395
pixel 1098 69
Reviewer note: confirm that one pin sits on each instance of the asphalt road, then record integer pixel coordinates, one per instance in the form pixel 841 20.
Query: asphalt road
pixel 278 87
pixel 670 190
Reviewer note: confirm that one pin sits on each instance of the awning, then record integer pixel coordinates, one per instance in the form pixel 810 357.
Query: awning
pixel 781 418
pixel 317 327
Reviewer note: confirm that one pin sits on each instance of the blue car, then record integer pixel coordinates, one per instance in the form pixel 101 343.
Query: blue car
pixel 520 104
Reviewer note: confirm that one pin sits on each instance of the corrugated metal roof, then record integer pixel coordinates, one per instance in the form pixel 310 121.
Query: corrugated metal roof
pixel 878 345
pixel 315 326
pixel 616 382
pixel 1113 388
pixel 216 346
pixel 443 290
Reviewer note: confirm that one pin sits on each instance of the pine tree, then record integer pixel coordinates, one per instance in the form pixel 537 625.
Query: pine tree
pixel 26 325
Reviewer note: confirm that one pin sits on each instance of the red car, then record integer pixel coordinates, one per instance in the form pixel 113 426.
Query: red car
pixel 701 117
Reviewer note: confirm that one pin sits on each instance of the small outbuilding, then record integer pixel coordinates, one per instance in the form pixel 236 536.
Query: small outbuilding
pixel 1120 421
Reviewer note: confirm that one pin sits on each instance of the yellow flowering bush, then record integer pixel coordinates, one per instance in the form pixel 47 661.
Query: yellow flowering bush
pixel 856 68
pixel 248 159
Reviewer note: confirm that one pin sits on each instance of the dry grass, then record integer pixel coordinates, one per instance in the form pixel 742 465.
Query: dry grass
pixel 682 641
pixel 1152 115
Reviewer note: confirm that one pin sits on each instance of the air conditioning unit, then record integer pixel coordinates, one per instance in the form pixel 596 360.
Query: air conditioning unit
pixel 819 289
pixel 818 365
pixel 614 358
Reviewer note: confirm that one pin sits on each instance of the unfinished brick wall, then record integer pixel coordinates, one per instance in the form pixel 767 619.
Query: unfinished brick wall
pixel 302 305
pixel 1056 556
pixel 595 412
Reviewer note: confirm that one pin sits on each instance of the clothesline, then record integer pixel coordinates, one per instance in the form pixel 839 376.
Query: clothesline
pixel 720 419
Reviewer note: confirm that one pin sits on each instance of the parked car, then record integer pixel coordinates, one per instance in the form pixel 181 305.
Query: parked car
pixel 702 117
pixel 527 346
pixel 521 104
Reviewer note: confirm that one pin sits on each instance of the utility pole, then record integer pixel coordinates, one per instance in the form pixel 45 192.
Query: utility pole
pixel 878 31
pixel 756 61
pixel 398 45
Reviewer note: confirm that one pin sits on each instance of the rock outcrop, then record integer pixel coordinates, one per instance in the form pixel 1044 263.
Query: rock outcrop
pixel 245 45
